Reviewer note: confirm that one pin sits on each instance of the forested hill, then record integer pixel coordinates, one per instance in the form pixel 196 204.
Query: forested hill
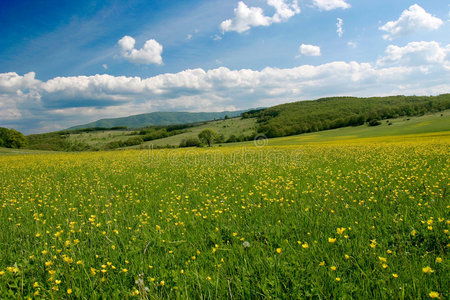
pixel 329 113
pixel 159 118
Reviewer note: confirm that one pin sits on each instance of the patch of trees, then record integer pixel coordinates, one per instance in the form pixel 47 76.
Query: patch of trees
pixel 330 113
pixel 92 129
pixel 11 138
pixel 190 142
pixel 126 143
pixel 150 134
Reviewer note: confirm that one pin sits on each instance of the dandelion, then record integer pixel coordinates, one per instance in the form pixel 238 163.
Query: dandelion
pixel 246 244
pixel 124 270
pixel 427 270
pixel 338 279
pixel 433 295
pixel 162 283
pixel 395 275
pixel 333 268
pixel 278 250
pixel 322 263
pixel 438 260
pixel 305 246
pixel 341 230
pixel 332 240
pixel 69 291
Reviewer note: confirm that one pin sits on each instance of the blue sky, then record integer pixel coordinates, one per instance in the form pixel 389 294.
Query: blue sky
pixel 64 63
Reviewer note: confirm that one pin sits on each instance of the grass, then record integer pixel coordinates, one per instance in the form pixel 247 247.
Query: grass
pixel 321 220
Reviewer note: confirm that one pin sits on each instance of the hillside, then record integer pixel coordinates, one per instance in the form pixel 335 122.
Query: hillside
pixel 330 113
pixel 433 125
pixel 159 118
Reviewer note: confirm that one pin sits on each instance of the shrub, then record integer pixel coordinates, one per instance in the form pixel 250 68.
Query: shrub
pixel 190 142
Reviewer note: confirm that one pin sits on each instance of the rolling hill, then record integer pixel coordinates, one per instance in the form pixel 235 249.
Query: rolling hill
pixel 353 116
pixel 159 118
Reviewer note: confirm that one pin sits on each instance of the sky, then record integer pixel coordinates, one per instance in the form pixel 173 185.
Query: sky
pixel 65 63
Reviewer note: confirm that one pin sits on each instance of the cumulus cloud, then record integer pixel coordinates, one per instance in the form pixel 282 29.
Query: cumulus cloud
pixel 284 9
pixel 13 82
pixel 309 50
pixel 246 17
pixel 150 53
pixel 29 104
pixel 331 4
pixel 412 19
pixel 339 27
pixel 416 53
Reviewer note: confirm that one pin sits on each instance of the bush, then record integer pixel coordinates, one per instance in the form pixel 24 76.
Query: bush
pixel 11 138
pixel 190 142
pixel 374 123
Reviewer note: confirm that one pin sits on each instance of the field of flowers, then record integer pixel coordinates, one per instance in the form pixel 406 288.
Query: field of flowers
pixel 325 221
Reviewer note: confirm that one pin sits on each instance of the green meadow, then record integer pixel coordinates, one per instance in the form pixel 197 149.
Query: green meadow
pixel 338 219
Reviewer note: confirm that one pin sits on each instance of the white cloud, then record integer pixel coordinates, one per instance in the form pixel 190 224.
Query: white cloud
pixel 29 104
pixel 105 66
pixel 331 4
pixel 352 44
pixel 284 10
pixel 12 82
pixel 189 36
pixel 309 50
pixel 246 17
pixel 412 19
pixel 339 29
pixel 150 53
pixel 416 53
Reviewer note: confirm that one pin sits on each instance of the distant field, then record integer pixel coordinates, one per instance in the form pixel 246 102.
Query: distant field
pixel 8 151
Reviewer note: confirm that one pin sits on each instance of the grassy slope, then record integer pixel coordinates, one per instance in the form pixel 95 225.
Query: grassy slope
pixel 235 126
pixel 228 127
pixel 430 124
pixel 100 138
